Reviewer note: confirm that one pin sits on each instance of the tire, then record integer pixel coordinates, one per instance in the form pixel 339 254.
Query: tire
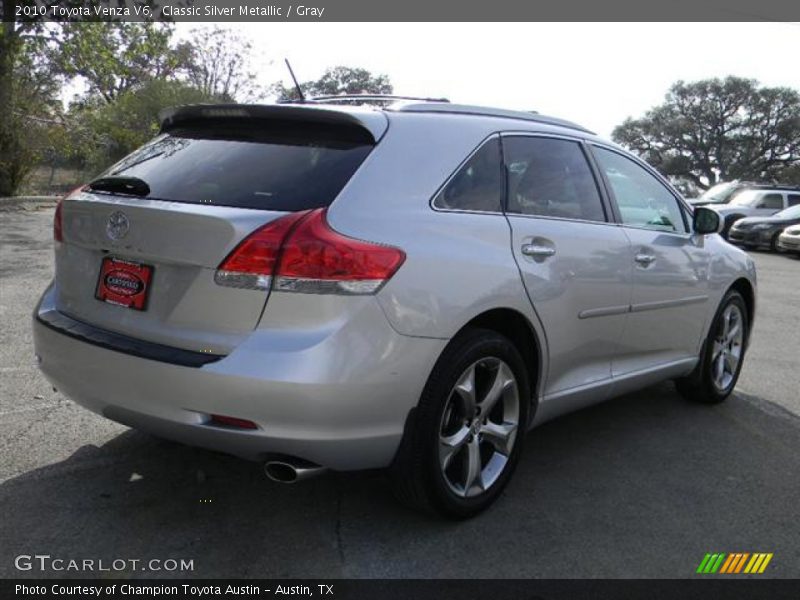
pixel 773 244
pixel 707 384
pixel 444 448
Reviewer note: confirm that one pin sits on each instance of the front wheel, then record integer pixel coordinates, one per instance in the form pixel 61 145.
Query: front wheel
pixel 465 436
pixel 722 356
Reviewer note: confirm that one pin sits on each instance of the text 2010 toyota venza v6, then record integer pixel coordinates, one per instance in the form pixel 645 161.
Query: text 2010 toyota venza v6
pixel 410 286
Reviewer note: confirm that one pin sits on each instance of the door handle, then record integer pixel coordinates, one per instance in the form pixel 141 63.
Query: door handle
pixel 537 250
pixel 644 259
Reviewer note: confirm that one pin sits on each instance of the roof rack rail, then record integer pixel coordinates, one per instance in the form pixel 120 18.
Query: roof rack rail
pixel 484 111
pixel 365 97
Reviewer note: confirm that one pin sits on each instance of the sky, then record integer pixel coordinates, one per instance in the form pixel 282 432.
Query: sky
pixel 595 74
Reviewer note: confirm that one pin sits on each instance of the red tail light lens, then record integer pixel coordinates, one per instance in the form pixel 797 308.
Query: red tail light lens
pixel 316 259
pixel 251 264
pixel 58 224
pixel 223 421
pixel 58 218
pixel 301 253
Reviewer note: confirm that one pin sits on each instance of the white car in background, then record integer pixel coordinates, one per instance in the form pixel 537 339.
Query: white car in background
pixel 789 240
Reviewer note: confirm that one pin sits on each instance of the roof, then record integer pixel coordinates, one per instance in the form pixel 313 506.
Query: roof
pixel 483 111
pixel 415 104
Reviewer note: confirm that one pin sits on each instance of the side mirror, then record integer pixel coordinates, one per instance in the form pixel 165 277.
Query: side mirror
pixel 707 221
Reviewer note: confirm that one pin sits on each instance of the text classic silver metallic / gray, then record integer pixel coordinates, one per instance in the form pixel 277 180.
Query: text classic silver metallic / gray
pixel 412 286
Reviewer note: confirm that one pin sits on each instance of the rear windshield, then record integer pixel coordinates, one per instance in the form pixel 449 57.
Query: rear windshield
pixel 268 165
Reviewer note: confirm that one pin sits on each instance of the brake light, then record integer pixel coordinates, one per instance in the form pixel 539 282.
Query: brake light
pixel 251 264
pixel 301 253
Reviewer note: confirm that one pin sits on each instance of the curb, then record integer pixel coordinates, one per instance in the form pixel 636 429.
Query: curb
pixel 27 202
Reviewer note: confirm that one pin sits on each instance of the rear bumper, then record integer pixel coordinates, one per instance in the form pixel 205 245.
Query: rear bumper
pixel 340 402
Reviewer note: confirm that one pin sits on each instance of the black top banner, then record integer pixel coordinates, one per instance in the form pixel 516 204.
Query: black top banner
pixel 409 10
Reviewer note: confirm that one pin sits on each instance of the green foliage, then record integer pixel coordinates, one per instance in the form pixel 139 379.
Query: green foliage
pixel 114 58
pixel 29 105
pixel 102 134
pixel 337 81
pixel 719 130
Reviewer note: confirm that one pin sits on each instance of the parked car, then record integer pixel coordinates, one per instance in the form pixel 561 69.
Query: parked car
pixel 789 240
pixel 410 287
pixel 721 193
pixel 752 232
pixel 757 203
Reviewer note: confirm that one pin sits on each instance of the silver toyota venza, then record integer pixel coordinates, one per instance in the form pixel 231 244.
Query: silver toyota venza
pixel 413 286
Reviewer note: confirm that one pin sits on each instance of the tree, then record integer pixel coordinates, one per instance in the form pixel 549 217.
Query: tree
pixel 105 133
pixel 218 65
pixel 114 58
pixel 28 98
pixel 337 81
pixel 719 130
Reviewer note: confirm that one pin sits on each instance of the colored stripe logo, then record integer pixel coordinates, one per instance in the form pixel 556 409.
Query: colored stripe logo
pixel 734 563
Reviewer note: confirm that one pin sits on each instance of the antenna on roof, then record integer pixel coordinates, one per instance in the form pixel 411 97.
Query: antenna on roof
pixel 296 84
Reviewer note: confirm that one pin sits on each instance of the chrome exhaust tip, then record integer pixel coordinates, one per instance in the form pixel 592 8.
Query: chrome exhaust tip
pixel 292 470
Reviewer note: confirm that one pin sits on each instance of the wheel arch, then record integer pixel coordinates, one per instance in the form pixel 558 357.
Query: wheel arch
pixel 517 328
pixel 746 289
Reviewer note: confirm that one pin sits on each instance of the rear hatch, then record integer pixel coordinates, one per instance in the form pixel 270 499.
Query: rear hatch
pixel 198 190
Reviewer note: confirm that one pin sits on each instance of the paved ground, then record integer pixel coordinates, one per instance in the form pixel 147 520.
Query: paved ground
pixel 642 486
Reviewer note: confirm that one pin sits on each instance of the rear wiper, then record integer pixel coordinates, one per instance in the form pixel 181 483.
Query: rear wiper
pixel 117 184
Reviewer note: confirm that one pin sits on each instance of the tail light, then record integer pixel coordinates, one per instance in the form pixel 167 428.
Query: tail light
pixel 58 223
pixel 252 263
pixel 301 253
pixel 58 218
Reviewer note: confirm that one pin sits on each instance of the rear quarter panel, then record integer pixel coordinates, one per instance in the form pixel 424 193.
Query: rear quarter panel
pixel 458 264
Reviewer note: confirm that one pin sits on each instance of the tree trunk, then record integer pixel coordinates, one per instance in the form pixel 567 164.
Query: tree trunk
pixel 8 136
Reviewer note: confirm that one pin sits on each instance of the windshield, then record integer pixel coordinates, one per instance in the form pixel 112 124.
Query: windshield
pixel 745 198
pixel 789 213
pixel 718 193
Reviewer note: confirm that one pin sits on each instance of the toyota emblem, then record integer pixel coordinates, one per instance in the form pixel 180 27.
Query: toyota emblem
pixel 117 226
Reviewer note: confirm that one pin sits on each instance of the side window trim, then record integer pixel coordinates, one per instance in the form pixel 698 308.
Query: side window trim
pixel 599 182
pixel 451 176
pixel 684 209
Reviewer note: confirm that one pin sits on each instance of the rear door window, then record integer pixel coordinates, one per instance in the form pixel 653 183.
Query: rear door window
pixel 549 177
pixel 268 165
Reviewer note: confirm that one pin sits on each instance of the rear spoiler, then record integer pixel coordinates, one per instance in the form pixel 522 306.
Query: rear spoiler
pixel 372 121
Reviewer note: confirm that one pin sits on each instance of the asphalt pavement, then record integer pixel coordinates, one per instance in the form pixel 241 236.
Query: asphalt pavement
pixel 641 486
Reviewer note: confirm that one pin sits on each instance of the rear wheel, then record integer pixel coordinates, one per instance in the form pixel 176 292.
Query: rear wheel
pixel 716 374
pixel 465 436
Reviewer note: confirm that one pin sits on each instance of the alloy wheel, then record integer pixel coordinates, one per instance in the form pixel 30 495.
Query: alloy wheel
pixel 728 346
pixel 479 427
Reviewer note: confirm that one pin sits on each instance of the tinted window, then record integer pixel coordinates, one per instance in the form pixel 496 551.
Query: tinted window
pixel 478 184
pixel 266 165
pixel 794 199
pixel 551 178
pixel 643 201
pixel 771 201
